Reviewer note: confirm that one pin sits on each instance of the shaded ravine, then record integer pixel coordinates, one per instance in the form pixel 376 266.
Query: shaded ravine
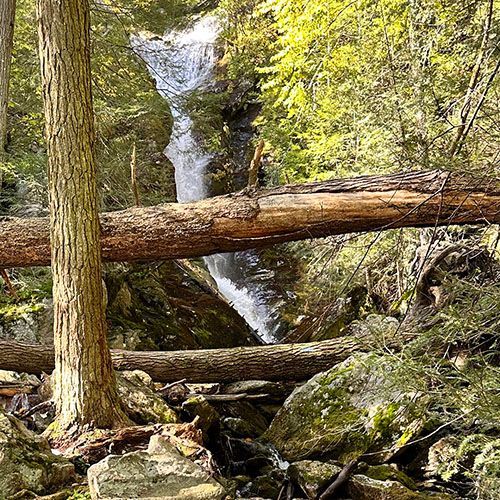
pixel 182 62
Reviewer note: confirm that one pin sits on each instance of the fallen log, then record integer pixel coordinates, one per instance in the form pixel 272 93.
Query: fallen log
pixel 261 218
pixel 271 362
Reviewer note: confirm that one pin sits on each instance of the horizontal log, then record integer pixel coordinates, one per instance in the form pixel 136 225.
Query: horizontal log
pixel 256 219
pixel 273 362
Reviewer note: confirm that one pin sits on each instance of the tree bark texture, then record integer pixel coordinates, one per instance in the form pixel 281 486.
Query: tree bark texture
pixel 256 219
pixel 85 388
pixel 7 17
pixel 271 362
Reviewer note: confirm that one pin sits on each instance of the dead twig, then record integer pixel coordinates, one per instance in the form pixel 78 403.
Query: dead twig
pixel 228 398
pixel 44 405
pixel 8 283
pixel 133 177
pixel 173 384
pixel 340 480
pixel 253 172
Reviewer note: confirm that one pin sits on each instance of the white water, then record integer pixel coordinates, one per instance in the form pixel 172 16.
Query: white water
pixel 182 62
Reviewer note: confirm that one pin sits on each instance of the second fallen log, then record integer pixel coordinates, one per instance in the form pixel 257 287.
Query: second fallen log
pixel 271 362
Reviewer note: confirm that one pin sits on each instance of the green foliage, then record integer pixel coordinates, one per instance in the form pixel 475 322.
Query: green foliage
pixel 33 286
pixel 79 494
pixel 356 87
pixel 128 109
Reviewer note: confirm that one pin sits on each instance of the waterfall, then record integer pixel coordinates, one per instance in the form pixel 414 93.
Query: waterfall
pixel 182 62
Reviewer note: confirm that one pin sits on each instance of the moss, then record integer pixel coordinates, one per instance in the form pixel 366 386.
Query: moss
pixel 81 493
pixel 13 311
pixel 386 472
pixel 353 408
pixel 171 307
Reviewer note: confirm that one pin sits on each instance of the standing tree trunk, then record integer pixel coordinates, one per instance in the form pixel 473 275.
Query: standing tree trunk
pixel 7 17
pixel 85 388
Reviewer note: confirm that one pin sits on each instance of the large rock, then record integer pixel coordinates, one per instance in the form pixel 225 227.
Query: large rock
pixel 357 406
pixel 166 307
pixel 26 461
pixel 142 404
pixel 158 473
pixel 170 306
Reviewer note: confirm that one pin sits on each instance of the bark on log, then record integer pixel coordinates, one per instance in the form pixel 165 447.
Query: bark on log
pixel 256 219
pixel 274 362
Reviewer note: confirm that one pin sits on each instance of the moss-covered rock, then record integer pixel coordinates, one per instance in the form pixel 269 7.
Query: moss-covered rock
pixel 26 461
pixel 139 400
pixel 166 307
pixel 170 307
pixel 365 488
pixel 389 472
pixel 354 407
pixel 312 476
pixel 28 320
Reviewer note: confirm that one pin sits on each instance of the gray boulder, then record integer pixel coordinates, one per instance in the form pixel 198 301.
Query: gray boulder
pixel 158 473
pixel 356 406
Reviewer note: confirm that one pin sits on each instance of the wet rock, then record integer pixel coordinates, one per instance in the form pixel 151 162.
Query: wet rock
pixel 255 421
pixel 268 485
pixel 240 428
pixel 276 391
pixel 26 461
pixel 342 413
pixel 159 472
pixel 249 457
pixel 313 477
pixel 142 404
pixel 365 488
pixel 170 306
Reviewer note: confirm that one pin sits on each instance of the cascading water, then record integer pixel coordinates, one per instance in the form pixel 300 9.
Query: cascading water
pixel 182 62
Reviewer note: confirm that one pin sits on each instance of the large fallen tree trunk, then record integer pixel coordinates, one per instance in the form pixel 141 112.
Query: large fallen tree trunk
pixel 273 362
pixel 254 219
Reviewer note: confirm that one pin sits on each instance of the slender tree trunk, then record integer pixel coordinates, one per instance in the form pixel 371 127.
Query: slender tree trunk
pixel 7 17
pixel 261 218
pixel 269 362
pixel 85 387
